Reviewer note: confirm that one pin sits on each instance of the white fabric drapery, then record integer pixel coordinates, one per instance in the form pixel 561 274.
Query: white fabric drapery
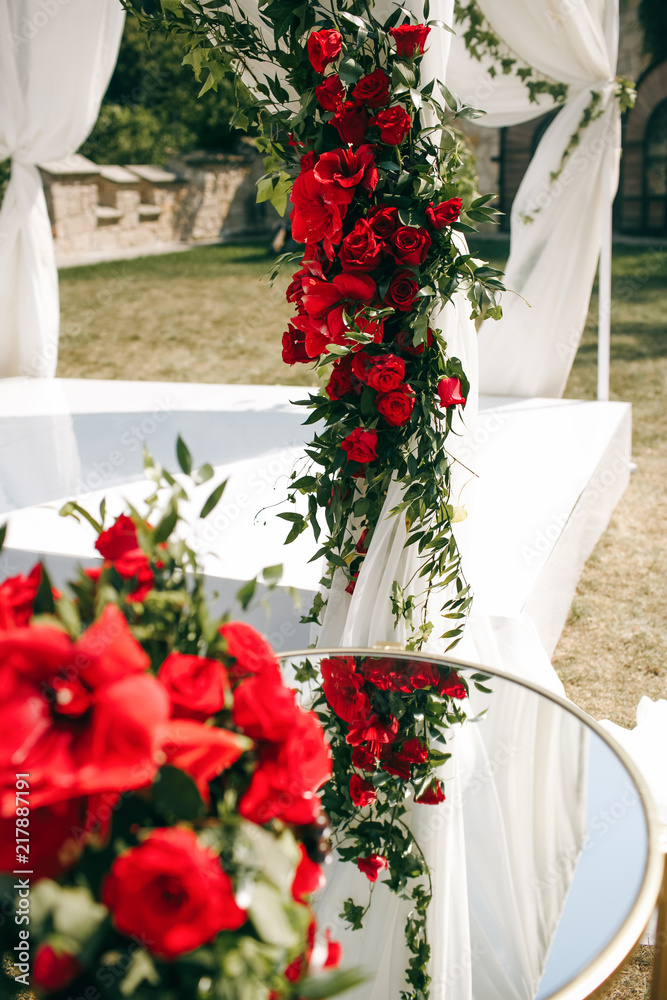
pixel 56 59
pixel 555 225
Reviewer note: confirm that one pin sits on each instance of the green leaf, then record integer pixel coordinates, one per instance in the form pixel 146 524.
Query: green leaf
pixel 350 71
pixel 183 455
pixel 272 574
pixel 213 499
pixel 203 473
pixel 3 535
pixel 175 795
pixel 330 984
pixel 166 525
pixel 245 595
pixel 44 603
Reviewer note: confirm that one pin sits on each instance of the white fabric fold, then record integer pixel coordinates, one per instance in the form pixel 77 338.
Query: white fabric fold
pixel 56 59
pixel 556 224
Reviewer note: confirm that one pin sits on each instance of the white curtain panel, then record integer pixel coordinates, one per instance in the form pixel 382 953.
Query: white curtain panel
pixel 555 225
pixel 56 60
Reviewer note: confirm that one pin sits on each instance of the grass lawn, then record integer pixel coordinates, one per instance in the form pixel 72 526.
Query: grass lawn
pixel 205 316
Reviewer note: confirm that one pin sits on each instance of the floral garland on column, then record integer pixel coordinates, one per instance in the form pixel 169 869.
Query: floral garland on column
pixel 377 206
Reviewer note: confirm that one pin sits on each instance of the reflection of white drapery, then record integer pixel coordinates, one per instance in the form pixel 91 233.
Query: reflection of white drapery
pixel 56 60
pixel 556 225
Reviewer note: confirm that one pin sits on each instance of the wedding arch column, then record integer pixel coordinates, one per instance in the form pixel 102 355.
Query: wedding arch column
pixel 56 59
pixel 556 223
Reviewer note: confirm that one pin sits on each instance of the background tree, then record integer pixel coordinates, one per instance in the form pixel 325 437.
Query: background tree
pixel 653 19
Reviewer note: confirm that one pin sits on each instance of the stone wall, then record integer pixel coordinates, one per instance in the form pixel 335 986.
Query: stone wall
pixel 109 209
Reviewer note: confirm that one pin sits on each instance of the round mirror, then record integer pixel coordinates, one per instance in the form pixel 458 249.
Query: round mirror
pixel 544 855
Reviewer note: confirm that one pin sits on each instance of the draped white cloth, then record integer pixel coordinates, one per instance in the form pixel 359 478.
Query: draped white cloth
pixel 555 225
pixel 56 59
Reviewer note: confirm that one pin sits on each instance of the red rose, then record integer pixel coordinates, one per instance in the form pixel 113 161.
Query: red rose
pixel 313 218
pixel 294 346
pixel 360 250
pixel 308 877
pixel 422 674
pixel 372 90
pixel 410 245
pixel 118 540
pixel 307 162
pixel 330 93
pixel 410 38
pixel 362 792
pixel 197 686
pixel 265 709
pixel 334 953
pixel 383 220
pixel 364 759
pixel 362 364
pixel 396 407
pixel 342 687
pixel 449 391
pixel 340 383
pixel 372 866
pixel 362 544
pixel 402 291
pixel 381 672
pixel 82 716
pixel 387 373
pixel 250 650
pixel 323 48
pixel 171 893
pixel 288 775
pixel 452 686
pixel 373 731
pixel 432 795
pixel 351 122
pixel 445 213
pixel 17 595
pixel 393 765
pixel 53 969
pixel 394 124
pixel 343 170
pixel 361 445
pixel 405 340
pixel 413 750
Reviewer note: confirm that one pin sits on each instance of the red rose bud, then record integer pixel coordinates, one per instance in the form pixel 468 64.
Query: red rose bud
pixel 396 407
pixel 54 969
pixel 308 877
pixel 197 686
pixel 324 47
pixel 351 122
pixel 452 686
pixel 386 374
pixel 445 213
pixel 433 795
pixel 294 347
pixel 372 866
pixel 373 730
pixel 360 250
pixel 352 584
pixel 372 90
pixel 362 546
pixel 410 39
pixel 383 220
pixel 334 952
pixel 402 291
pixel 330 93
pixel 405 340
pixel 394 124
pixel 118 540
pixel 410 245
pixel 364 759
pixel 362 792
pixel 449 392
pixel 170 873
pixel 342 687
pixel 361 445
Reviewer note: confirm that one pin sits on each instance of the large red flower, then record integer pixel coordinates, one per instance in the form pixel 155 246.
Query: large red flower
pixel 325 302
pixel 343 170
pixel 313 217
pixel 373 731
pixel 288 776
pixel 202 751
pixel 342 687
pixel 81 717
pixel 171 893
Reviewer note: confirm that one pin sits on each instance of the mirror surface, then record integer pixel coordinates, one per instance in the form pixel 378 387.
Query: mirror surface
pixel 544 828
